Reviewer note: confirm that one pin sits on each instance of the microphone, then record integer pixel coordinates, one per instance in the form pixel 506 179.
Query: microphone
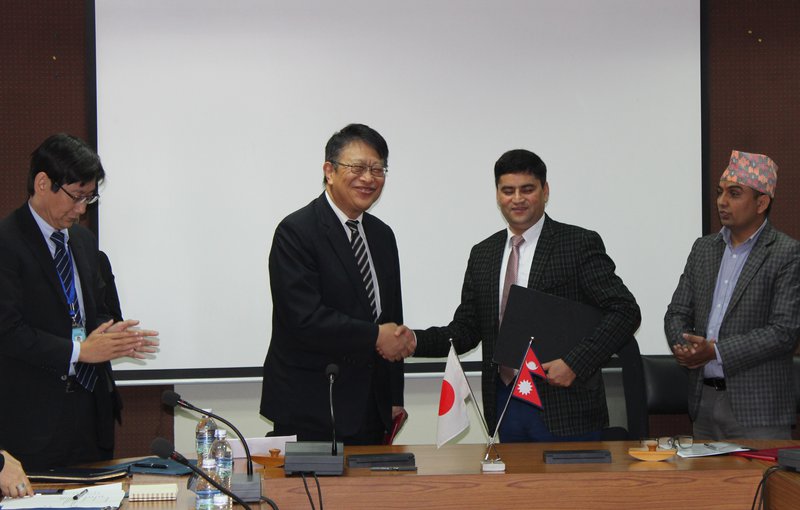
pixel 247 485
pixel 315 456
pixel 172 399
pixel 332 371
pixel 165 450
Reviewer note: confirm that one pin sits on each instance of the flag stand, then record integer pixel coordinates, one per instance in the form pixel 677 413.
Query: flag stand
pixel 488 465
pixel 494 464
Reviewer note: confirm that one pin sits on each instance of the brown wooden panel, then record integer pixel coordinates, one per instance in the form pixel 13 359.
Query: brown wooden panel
pixel 144 418
pixel 754 97
pixel 43 85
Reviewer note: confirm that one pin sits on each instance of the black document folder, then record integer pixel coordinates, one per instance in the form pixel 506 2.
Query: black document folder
pixel 556 325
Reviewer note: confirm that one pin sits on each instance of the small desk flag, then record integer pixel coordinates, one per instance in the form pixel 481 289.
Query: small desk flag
pixel 453 417
pixel 524 388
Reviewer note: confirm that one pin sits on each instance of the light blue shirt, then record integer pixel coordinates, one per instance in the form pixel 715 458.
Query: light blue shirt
pixel 47 231
pixel 730 268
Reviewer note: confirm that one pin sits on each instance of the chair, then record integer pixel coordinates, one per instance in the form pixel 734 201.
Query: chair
pixel 667 390
pixel 633 387
pixel 666 385
pixel 797 382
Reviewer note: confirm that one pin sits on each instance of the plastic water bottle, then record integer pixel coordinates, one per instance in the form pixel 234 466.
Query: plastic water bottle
pixel 223 455
pixel 204 436
pixel 207 493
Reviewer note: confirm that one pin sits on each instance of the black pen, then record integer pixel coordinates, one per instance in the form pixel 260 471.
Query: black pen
pixel 150 465
pixel 49 491
pixel 393 468
pixel 81 493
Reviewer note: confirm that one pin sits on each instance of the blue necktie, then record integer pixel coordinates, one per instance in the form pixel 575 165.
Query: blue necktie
pixel 362 260
pixel 84 372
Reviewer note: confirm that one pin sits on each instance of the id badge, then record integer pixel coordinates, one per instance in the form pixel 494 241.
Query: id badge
pixel 78 334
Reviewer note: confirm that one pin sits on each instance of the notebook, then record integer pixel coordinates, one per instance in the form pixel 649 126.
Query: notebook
pixel 153 492
pixel 766 454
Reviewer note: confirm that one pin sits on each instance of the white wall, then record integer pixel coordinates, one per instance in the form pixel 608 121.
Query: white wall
pixel 212 118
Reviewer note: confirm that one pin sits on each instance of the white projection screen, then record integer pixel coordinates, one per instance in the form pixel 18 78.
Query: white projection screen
pixel 213 116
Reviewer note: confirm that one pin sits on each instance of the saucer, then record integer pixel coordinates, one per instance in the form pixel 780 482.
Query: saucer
pixel 657 455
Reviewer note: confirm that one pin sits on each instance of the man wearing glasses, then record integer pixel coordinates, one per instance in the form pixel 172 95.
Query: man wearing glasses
pixel 56 339
pixel 335 280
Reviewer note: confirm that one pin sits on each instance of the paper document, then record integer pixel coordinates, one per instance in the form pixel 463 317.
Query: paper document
pixel 99 496
pixel 260 445
pixel 709 449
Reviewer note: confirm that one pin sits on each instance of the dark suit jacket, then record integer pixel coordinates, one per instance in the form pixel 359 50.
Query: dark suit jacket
pixel 36 335
pixel 321 315
pixel 759 331
pixel 569 262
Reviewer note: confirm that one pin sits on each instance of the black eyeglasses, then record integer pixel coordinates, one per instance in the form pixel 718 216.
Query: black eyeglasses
pixel 376 171
pixel 88 200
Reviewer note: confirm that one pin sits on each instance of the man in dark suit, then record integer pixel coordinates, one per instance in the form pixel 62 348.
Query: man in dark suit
pixel 559 259
pixel 734 318
pixel 54 376
pixel 335 281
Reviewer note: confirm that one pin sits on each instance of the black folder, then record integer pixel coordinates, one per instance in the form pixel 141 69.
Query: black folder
pixel 556 325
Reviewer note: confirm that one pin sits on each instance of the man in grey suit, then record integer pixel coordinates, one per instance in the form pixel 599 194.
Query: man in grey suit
pixel 556 258
pixel 735 317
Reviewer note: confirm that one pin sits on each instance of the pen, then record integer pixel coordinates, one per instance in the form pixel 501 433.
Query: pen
pixel 709 445
pixel 49 491
pixel 150 465
pixel 393 468
pixel 81 493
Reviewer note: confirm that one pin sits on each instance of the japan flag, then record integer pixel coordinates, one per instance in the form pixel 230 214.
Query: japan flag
pixel 453 417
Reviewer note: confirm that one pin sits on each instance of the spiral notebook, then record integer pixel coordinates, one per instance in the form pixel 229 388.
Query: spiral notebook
pixel 153 492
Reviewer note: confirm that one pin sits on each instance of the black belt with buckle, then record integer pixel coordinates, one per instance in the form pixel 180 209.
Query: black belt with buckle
pixel 718 383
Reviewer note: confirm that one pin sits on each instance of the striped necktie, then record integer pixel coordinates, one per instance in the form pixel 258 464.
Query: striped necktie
pixel 362 260
pixel 84 372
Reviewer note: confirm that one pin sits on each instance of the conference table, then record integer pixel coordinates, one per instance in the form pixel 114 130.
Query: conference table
pixel 451 478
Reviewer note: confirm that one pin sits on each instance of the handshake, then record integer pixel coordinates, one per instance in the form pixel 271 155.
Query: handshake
pixel 395 342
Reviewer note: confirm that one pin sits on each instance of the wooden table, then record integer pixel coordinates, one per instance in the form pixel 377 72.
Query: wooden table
pixel 451 478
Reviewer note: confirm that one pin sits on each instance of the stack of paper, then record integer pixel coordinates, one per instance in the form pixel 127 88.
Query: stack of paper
pixel 708 449
pixel 99 496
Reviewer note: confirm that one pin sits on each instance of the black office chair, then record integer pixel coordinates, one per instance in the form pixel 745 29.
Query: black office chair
pixel 666 385
pixel 797 381
pixel 633 387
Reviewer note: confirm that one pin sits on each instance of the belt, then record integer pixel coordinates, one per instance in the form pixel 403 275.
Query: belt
pixel 718 383
pixel 72 384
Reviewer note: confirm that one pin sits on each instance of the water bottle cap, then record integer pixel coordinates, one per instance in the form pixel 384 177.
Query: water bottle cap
pixel 221 433
pixel 209 463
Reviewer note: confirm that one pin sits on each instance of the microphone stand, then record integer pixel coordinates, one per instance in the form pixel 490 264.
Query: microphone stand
pixel 160 446
pixel 248 485
pixel 332 371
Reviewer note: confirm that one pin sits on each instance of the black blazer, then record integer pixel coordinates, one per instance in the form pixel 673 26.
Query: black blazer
pixel 321 315
pixel 36 335
pixel 570 262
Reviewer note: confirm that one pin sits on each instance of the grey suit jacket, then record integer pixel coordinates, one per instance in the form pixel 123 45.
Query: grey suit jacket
pixel 759 331
pixel 569 262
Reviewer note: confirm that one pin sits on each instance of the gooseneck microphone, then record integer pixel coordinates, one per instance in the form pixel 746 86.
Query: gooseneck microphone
pixel 172 399
pixel 332 371
pixel 165 450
